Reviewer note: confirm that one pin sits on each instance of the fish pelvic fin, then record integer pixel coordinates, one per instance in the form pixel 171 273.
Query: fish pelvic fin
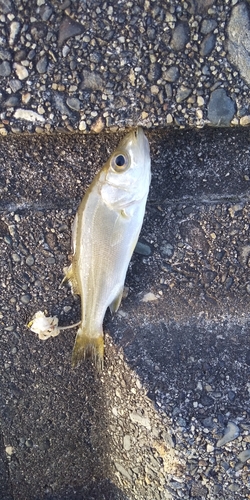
pixel 70 277
pixel 114 306
pixel 87 346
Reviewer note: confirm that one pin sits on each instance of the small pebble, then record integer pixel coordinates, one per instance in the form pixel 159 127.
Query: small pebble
pixel 91 81
pixel 207 26
pixel 207 45
pixel 234 487
pixel 9 450
pixel 15 85
pixel 25 299
pixel 14 30
pixel 126 442
pixel 245 120
pixel 98 125
pixel 67 309
pixel 5 69
pixel 44 445
pixel 232 431
pixel 123 471
pixel 172 74
pixel 10 328
pixel 46 12
pixel 180 37
pixel 221 108
pixel 29 443
pixel 244 455
pixel 143 249
pixel 140 420
pixel 182 93
pixel 82 125
pixel 68 28
pixel 21 71
pixel 73 103
pixel 51 260
pixel 167 250
pixel 16 257
pixel 210 448
pixel 42 64
pixel 30 260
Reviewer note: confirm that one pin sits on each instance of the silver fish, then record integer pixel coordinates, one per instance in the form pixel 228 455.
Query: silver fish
pixel 105 231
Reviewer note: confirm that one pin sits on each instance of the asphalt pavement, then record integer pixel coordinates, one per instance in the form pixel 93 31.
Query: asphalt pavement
pixel 176 373
pixel 169 417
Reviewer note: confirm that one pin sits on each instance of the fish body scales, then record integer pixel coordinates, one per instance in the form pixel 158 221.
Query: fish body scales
pixel 105 232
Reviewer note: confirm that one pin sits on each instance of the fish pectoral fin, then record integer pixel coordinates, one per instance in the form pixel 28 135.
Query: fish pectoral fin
pixel 125 215
pixel 87 346
pixel 70 277
pixel 118 227
pixel 114 306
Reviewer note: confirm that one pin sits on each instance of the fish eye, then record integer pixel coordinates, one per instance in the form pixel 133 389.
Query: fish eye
pixel 120 162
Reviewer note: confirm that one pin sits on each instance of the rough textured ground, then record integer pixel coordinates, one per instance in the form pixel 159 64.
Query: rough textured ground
pixel 169 417
pixel 177 352
pixel 88 65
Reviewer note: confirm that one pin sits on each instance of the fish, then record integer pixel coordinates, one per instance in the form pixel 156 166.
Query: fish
pixel 105 231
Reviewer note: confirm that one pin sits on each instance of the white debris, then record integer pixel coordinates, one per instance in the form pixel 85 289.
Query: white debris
pixel 148 297
pixel 45 327
pixel 28 114
pixel 9 450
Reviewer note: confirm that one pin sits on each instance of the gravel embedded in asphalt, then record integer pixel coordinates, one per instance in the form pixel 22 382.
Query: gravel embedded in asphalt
pixel 64 66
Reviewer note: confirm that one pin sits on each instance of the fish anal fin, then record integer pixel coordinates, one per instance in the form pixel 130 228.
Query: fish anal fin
pixel 115 304
pixel 87 346
pixel 71 278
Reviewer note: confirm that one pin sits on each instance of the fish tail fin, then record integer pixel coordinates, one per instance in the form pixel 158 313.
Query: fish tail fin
pixel 87 346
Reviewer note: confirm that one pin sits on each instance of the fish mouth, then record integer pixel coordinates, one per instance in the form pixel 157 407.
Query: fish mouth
pixel 137 137
pixel 141 140
pixel 135 142
pixel 139 134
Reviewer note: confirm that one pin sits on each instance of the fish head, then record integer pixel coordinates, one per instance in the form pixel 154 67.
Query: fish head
pixel 127 173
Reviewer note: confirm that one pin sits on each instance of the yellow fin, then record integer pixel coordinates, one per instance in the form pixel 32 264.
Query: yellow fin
pixel 88 347
pixel 114 306
pixel 69 276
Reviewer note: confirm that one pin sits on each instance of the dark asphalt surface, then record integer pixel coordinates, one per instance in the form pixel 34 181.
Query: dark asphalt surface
pixel 60 439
